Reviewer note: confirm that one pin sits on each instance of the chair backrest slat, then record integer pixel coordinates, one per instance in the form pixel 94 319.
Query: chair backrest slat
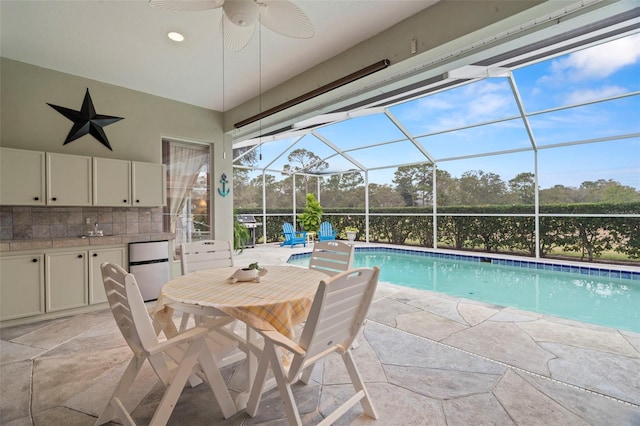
pixel 128 308
pixel 326 232
pixel 205 254
pixel 287 228
pixel 331 257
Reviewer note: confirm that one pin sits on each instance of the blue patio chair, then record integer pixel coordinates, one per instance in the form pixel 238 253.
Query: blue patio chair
pixel 292 237
pixel 326 232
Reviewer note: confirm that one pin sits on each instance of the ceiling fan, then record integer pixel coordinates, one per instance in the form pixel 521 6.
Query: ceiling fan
pixel 240 17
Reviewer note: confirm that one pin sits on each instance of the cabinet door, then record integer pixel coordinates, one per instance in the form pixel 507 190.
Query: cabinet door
pixel 96 258
pixel 111 182
pixel 68 180
pixel 22 177
pixel 66 280
pixel 21 286
pixel 149 189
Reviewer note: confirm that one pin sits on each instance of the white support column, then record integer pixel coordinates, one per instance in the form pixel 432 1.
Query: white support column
pixel 366 206
pixel 537 203
pixel 293 178
pixel 435 208
pixel 264 208
pixel 534 145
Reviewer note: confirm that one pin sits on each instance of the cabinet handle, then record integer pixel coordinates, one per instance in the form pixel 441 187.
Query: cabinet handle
pixel 36 198
pixel 79 256
pixel 137 201
pixel 95 254
pixel 34 260
pixel 54 199
pixel 124 201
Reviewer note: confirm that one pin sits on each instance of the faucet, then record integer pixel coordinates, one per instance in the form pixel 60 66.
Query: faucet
pixel 95 229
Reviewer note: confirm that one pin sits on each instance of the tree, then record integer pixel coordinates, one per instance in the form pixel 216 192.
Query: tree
pixel 384 196
pixel 404 185
pixel 350 181
pixel 523 187
pixel 607 191
pixel 558 194
pixel 446 187
pixel 481 188
pixel 415 184
pixel 306 161
pixel 276 196
pixel 312 216
pixel 244 194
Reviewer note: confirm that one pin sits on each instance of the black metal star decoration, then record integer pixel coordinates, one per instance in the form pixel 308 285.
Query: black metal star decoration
pixel 86 121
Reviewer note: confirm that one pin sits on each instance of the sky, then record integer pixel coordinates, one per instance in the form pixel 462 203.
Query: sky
pixel 606 70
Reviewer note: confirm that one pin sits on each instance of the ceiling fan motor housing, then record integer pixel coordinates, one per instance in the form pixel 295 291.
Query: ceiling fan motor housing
pixel 241 12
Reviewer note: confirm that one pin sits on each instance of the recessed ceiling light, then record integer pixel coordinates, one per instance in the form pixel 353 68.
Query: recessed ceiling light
pixel 175 36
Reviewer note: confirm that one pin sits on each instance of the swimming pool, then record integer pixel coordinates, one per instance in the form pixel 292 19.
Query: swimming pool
pixel 594 295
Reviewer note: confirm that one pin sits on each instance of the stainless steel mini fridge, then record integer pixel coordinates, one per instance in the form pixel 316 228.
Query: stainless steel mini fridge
pixel 149 263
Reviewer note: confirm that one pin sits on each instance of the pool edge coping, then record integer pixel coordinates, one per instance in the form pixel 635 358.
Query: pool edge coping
pixel 612 271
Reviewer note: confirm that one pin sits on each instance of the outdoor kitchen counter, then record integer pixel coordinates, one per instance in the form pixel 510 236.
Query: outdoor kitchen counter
pixel 71 242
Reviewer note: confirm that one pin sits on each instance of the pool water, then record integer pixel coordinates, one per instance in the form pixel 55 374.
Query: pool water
pixel 609 301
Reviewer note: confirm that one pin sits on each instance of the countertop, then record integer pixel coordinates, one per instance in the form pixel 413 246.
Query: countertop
pixel 72 242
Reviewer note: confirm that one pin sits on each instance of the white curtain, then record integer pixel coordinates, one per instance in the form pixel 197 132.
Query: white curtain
pixel 183 166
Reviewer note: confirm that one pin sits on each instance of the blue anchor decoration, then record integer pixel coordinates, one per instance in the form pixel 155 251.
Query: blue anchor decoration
pixel 224 191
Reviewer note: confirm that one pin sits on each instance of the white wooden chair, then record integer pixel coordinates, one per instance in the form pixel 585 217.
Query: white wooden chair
pixel 209 254
pixel 205 254
pixel 337 313
pixel 173 360
pixel 331 257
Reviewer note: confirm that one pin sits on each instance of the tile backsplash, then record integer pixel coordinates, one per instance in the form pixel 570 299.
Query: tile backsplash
pixel 37 223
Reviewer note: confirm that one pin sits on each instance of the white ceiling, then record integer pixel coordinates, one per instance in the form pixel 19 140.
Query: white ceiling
pixel 124 43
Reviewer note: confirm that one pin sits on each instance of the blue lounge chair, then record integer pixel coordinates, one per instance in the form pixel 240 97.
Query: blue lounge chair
pixel 292 237
pixel 326 233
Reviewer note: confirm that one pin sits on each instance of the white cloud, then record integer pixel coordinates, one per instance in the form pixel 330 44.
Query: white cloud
pixel 599 61
pixel 472 103
pixel 432 102
pixel 586 95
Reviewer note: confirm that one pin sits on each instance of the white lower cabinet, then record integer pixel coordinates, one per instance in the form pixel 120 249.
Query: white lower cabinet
pixel 21 286
pixel 96 258
pixel 39 283
pixel 66 280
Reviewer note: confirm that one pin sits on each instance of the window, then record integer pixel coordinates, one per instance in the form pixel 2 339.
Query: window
pixel 187 214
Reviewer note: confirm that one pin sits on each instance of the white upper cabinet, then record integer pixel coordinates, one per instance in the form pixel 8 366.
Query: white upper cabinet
pixel 111 182
pixel 68 180
pixel 149 189
pixel 35 178
pixel 22 177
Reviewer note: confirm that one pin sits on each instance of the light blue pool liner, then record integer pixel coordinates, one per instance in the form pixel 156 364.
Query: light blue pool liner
pixel 598 295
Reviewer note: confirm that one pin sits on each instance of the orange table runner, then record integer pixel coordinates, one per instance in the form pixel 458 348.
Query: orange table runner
pixel 280 301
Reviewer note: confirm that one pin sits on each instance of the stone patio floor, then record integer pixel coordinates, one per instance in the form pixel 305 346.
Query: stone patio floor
pixel 427 359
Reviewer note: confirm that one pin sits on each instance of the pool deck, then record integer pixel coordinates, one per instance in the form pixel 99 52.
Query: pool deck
pixel 427 358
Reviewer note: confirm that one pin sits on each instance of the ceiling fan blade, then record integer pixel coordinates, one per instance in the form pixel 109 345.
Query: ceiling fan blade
pixel 186 5
pixel 285 18
pixel 235 37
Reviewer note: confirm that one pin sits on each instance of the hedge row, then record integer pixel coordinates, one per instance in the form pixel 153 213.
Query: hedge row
pixel 481 228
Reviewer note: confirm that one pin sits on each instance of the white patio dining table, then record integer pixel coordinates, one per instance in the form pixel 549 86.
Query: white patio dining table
pixel 279 301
